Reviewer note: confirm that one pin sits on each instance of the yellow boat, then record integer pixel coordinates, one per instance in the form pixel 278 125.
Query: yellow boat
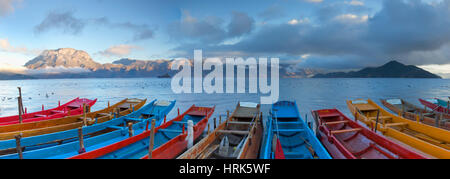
pixel 123 107
pixel 428 139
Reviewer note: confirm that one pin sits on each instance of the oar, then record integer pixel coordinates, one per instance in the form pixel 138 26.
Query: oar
pixel 378 116
pixel 310 148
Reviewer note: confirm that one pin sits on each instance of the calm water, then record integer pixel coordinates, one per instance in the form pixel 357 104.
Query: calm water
pixel 310 94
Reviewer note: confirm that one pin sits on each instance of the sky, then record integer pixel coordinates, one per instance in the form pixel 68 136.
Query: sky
pixel 322 34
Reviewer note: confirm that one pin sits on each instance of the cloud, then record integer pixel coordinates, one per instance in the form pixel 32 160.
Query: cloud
pixel 8 6
pixel 313 1
pixel 240 24
pixel 403 27
pixel 413 32
pixel 119 50
pixel 8 68
pixel 352 18
pixel 298 21
pixel 56 70
pixel 191 29
pixel 355 3
pixel 140 31
pixel 5 46
pixel 209 30
pixel 61 20
pixel 68 23
pixel 272 12
pixel 441 70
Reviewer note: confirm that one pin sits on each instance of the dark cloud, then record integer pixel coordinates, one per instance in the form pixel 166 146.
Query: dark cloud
pixel 140 31
pixel 413 32
pixel 210 30
pixel 61 20
pixel 272 12
pixel 68 23
pixel 403 27
pixel 240 24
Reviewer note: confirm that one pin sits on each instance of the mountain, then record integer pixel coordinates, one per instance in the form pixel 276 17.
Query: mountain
pixel 70 59
pixel 63 57
pixel 392 69
pixel 292 71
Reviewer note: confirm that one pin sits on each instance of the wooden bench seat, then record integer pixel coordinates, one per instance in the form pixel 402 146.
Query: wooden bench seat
pixel 384 118
pixel 397 124
pixel 233 132
pixel 336 122
pixel 103 114
pixel 239 123
pixel 345 131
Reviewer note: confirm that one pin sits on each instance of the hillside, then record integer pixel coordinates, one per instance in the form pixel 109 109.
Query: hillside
pixel 392 69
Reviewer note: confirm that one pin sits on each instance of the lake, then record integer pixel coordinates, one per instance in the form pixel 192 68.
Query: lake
pixel 310 94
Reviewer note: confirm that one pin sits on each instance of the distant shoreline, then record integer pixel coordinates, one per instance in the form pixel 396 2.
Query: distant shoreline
pixel 171 78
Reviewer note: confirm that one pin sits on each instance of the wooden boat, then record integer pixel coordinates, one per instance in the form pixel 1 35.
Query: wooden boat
pixel 74 107
pixel 346 139
pixel 412 112
pixel 170 139
pixel 243 130
pixel 122 108
pixel 436 105
pixel 287 129
pixel 430 140
pixel 95 136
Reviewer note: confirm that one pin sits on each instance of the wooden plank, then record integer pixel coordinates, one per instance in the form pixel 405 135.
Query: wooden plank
pixel 397 124
pixel 336 122
pixel 208 152
pixel 345 131
pixel 366 107
pixel 240 123
pixel 233 132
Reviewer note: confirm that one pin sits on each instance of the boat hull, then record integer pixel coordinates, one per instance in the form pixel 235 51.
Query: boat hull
pixel 435 107
pixel 71 108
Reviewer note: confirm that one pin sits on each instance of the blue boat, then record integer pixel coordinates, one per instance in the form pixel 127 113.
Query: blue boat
pixel 296 138
pixel 117 131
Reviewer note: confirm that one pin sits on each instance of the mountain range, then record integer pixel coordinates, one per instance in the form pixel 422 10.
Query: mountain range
pixel 72 63
pixel 69 58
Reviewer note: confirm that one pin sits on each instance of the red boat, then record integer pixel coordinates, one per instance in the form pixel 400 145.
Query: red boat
pixel 170 139
pixel 435 107
pixel 74 107
pixel 346 139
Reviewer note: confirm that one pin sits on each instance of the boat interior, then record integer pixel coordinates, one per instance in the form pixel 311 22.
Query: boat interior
pixel 353 136
pixel 291 131
pixel 373 113
pixel 173 129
